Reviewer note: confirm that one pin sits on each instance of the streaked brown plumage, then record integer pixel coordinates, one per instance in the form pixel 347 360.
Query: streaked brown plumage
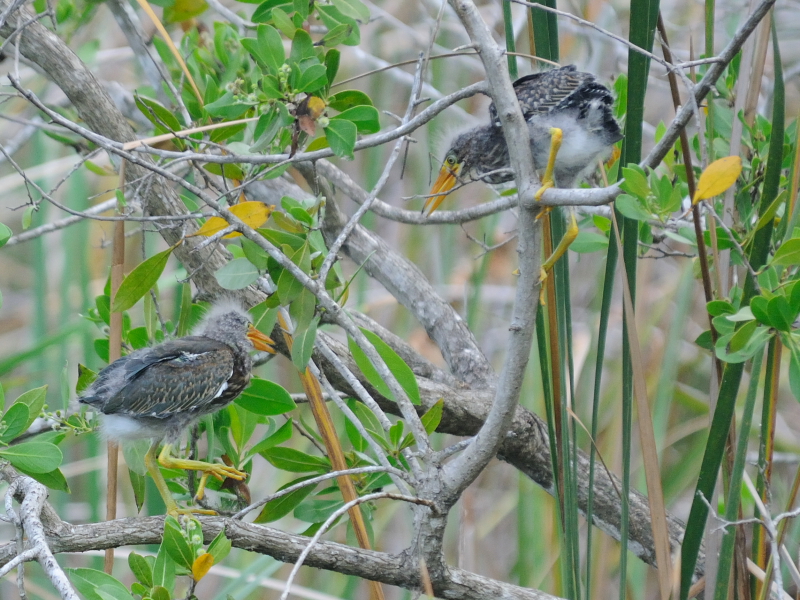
pixel 563 98
pixel 157 392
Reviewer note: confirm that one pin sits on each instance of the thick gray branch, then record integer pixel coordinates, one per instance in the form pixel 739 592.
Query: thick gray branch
pixel 460 472
pixel 398 570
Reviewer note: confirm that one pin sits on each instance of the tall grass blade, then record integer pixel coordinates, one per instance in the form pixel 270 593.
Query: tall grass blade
pixel 734 489
pixel 643 19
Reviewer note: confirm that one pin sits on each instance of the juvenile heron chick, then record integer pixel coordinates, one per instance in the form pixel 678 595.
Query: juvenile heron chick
pixel 158 392
pixel 562 98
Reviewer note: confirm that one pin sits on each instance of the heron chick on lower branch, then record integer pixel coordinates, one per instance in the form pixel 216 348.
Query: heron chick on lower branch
pixel 158 392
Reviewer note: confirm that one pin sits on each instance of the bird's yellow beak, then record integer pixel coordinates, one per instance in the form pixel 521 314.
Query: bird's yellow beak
pixel 260 341
pixel 443 184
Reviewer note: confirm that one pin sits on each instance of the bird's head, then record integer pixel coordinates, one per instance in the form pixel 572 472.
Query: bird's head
pixel 228 322
pixel 456 164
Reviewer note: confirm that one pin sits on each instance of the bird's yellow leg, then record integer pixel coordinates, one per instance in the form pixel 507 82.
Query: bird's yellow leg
pixel 556 135
pixel 201 488
pixel 166 459
pixel 158 479
pixel 563 245
pixel 151 463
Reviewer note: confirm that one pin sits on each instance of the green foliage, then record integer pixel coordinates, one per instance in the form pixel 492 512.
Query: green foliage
pixel 401 371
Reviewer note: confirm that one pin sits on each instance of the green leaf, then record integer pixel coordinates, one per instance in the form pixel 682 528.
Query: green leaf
pixel 140 281
pixel 54 479
pixel 341 137
pixel 366 118
pixel 365 366
pixel 759 306
pixel 332 58
pixel 264 316
pixel 164 568
pixel 5 234
pixel 743 314
pixel 742 336
pixel 265 398
pixel 27 217
pixel 313 78
pixel 103 305
pixel 635 182
pixel 303 345
pixel 302 46
pixel 768 215
pixel 141 569
pixel 341 101
pixel 96 585
pixel 788 254
pixel 301 8
pixel 589 241
pixel 138 338
pixel 271 47
pixel 219 547
pixel 284 23
pixel 263 13
pixel 432 418
pixel 631 208
pixel 269 124
pixel 257 256
pixel 134 452
pixel 794 298
pixel 302 309
pixel 101 348
pixel 401 371
pixel 794 374
pixel 237 274
pixel 354 9
pixel 282 238
pixel 280 507
pixel 368 419
pixel 332 17
pixel 287 223
pixel 336 36
pixel 176 545
pixel 780 313
pixel 227 170
pixel 289 287
pixel 717 308
pixel 138 485
pixel 16 422
pixel 159 592
pixel 227 107
pixel 281 435
pixel 33 457
pixel 317 511
pixel 85 378
pixel 294 461
pixel 396 434
pixel 160 116
pixel 34 399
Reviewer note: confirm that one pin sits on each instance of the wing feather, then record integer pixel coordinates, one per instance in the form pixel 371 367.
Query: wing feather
pixel 184 375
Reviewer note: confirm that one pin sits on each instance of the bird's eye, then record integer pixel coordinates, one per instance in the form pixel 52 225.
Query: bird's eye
pixel 451 160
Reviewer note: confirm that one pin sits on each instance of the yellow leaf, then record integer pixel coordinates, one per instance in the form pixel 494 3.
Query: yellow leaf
pixel 201 566
pixel 254 214
pixel 718 177
pixel 315 106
